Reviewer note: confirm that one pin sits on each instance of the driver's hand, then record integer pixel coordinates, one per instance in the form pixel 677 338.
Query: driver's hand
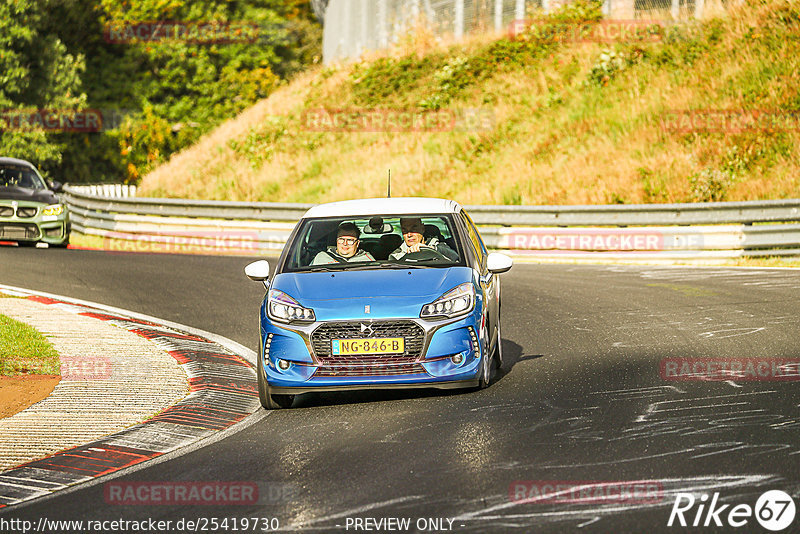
pixel 417 247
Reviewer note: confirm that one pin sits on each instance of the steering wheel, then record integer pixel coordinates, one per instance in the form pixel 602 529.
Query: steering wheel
pixel 424 254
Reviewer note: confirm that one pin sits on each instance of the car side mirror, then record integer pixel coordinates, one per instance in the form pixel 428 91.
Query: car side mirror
pixel 498 263
pixel 258 271
pixel 57 187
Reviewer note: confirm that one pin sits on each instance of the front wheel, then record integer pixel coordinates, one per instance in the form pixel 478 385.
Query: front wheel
pixel 497 355
pixel 486 368
pixel 268 400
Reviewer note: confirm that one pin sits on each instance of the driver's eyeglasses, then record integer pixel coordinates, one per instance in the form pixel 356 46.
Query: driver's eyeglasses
pixel 347 240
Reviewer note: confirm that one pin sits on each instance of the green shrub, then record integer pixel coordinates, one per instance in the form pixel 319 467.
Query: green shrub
pixel 260 143
pixel 710 185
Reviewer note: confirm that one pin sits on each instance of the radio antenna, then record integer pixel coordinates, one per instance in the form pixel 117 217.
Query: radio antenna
pixel 389 187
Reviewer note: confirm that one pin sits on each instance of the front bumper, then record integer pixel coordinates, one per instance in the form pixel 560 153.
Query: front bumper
pixel 442 354
pixel 450 384
pixel 53 229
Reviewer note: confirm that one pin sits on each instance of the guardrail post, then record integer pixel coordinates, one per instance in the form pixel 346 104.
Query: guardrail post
pixel 698 9
pixel 458 23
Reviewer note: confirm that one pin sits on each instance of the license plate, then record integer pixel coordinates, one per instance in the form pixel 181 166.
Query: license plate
pixel 383 345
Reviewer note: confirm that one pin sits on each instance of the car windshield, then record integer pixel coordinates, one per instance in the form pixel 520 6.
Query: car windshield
pixel 374 242
pixel 20 176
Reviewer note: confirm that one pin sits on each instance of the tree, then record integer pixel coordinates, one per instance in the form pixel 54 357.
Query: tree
pixel 171 92
pixel 36 72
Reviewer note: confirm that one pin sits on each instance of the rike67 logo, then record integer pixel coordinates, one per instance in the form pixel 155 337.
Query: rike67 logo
pixel 774 510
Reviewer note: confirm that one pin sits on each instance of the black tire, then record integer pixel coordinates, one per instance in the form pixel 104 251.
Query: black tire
pixel 487 365
pixel 268 400
pixel 26 244
pixel 281 401
pixel 263 393
pixel 497 354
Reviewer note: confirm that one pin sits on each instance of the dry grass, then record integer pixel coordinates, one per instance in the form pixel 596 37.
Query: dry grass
pixel 557 138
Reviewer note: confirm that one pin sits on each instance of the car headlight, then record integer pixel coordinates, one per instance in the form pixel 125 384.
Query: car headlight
pixel 283 308
pixel 53 209
pixel 457 301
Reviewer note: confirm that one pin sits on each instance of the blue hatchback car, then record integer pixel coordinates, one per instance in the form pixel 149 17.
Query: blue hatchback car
pixel 379 293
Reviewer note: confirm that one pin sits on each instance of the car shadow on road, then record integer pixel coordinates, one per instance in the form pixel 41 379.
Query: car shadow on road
pixel 512 355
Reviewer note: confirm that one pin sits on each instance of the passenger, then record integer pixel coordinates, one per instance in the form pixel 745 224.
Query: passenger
pixel 346 249
pixel 414 240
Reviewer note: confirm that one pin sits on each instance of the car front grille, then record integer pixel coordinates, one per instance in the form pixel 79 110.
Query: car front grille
pixel 26 213
pixel 368 364
pixel 18 231
pixel 6 211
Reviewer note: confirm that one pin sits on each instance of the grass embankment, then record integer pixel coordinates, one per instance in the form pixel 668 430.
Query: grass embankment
pixel 24 351
pixel 574 123
pixel 29 366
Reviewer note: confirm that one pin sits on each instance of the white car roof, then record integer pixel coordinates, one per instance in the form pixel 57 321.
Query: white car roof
pixel 384 206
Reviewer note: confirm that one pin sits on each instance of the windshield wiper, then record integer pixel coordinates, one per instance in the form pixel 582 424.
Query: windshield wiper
pixel 319 270
pixel 401 265
pixel 366 267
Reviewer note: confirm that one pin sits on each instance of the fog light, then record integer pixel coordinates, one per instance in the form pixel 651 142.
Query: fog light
pixel 283 365
pixel 457 358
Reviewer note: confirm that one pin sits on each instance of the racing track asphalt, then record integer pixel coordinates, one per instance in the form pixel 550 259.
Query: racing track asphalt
pixel 580 398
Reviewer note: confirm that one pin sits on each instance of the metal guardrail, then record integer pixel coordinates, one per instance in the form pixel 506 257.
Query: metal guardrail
pixel 173 207
pixel 647 231
pixel 106 190
pixel 640 214
pixel 606 215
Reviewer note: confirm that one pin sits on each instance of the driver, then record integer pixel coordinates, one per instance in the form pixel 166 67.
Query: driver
pixel 414 240
pixel 346 248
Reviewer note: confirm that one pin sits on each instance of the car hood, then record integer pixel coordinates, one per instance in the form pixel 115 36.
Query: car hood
pixel 387 293
pixel 45 196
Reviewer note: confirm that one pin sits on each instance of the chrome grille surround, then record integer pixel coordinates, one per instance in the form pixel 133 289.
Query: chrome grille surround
pixel 368 364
